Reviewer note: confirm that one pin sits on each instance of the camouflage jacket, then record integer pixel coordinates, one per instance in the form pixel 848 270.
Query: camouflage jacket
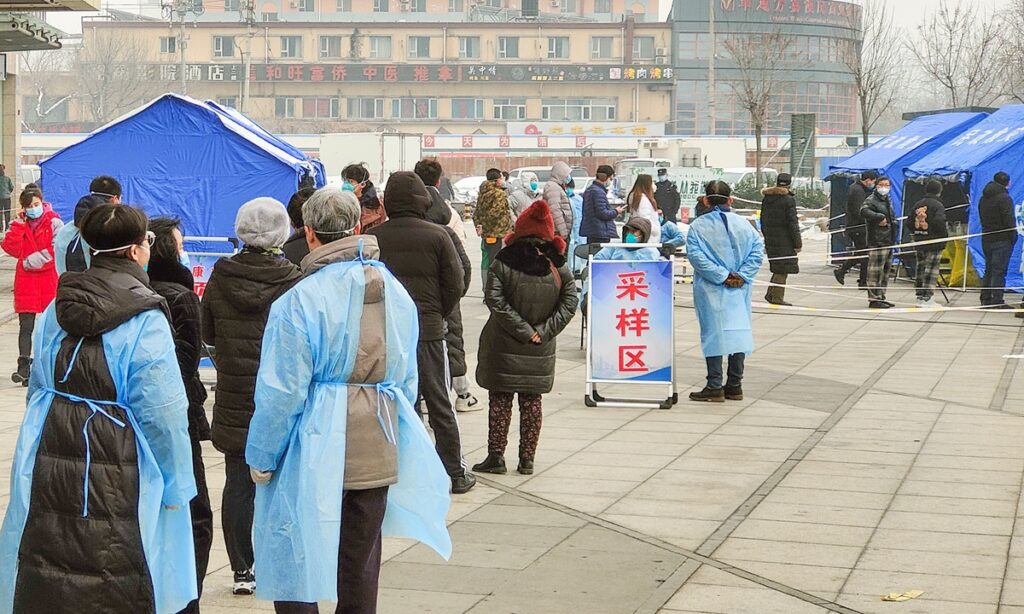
pixel 492 211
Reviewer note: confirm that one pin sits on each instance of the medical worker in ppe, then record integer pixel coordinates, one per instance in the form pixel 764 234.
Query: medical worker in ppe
pixel 726 253
pixel 98 518
pixel 336 449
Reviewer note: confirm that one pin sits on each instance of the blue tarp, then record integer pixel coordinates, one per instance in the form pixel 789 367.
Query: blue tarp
pixel 181 157
pixel 996 144
pixel 906 146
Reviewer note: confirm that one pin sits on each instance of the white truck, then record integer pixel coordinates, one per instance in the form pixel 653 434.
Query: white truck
pixel 382 153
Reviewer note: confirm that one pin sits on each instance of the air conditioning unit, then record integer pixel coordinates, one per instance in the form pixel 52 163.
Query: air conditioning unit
pixel 556 4
pixel 293 5
pixel 661 60
pixel 661 51
pixel 650 144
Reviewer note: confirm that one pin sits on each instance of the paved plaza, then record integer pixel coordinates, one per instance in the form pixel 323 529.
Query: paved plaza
pixel 874 453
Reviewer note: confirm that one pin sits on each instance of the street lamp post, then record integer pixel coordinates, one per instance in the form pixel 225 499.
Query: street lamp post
pixel 178 11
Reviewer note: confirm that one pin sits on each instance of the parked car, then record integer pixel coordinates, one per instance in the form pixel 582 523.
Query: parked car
pixel 544 173
pixel 28 173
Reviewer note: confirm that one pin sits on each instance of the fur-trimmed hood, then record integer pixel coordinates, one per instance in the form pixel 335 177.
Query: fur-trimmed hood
pixel 532 257
pixel 775 191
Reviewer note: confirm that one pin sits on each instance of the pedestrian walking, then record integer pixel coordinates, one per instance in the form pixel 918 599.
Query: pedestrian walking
pixel 999 230
pixel 170 276
pixel 928 223
pixel 726 253
pixel 295 248
pixel 782 241
pixel 667 196
pixel 30 241
pixel 856 232
pixel 523 193
pixel 532 297
pixel 493 219
pixel 880 223
pixel 6 191
pixel 70 251
pixel 430 171
pixel 558 200
pixel 422 256
pixel 235 308
pixel 97 520
pixel 335 446
pixel 598 224
pixel 641 203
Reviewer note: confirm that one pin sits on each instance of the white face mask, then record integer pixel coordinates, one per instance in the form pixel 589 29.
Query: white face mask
pixel 883 191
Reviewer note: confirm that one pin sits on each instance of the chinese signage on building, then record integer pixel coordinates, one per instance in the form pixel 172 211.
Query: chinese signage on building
pixel 631 331
pixel 410 73
pixel 826 12
pixel 587 128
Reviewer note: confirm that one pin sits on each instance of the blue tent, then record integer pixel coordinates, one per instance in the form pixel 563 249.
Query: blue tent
pixel 993 145
pixel 181 157
pixel 906 146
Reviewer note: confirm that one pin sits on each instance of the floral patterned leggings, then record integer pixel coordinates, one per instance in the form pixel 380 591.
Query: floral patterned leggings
pixel 500 417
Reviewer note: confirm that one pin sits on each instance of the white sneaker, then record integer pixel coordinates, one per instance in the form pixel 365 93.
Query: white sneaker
pixel 929 304
pixel 244 584
pixel 467 403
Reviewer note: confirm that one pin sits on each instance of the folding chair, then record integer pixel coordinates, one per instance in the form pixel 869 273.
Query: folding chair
pixel 584 252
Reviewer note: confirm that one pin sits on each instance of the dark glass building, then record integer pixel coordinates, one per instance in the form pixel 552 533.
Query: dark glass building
pixel 813 76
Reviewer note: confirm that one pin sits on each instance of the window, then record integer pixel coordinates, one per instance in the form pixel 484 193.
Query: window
pixel 365 108
pixel 456 6
pixel 508 47
pixel 414 108
pixel 558 47
pixel 330 46
pixel 694 46
pixel 270 17
pixel 643 48
pixel 307 6
pixel 510 109
pixel 567 6
pixel 223 47
pixel 232 5
pixel 418 6
pixel 344 6
pixel 469 47
pixel 494 4
pixel 321 107
pixel 380 47
pixel 419 48
pixel 168 44
pixel 380 6
pixel 578 109
pixel 467 108
pixel 602 6
pixel 228 101
pixel 284 107
pixel 600 47
pixel 291 46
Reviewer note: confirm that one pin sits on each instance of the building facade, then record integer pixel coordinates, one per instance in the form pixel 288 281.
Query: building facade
pixel 813 75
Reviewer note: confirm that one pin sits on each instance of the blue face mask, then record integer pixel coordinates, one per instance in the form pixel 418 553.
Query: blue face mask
pixel 34 212
pixel 145 268
pixel 661 219
pixel 184 260
pixel 631 238
pixel 347 187
pixel 533 186
pixel 570 191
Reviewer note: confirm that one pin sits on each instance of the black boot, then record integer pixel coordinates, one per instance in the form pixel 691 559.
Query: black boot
pixel 709 395
pixel 22 374
pixel 734 393
pixel 525 467
pixel 494 463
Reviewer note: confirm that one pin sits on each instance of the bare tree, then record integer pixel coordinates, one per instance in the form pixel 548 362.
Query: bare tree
pixel 113 76
pixel 757 59
pixel 962 49
pixel 1013 49
pixel 876 65
pixel 44 76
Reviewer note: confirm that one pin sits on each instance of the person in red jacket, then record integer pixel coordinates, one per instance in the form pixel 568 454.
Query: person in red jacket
pixel 30 240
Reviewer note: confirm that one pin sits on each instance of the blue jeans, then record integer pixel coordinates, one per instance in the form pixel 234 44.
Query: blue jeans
pixel 997 260
pixel 735 371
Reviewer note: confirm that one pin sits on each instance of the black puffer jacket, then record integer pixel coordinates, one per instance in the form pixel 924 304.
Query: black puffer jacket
pixel 935 218
pixel 876 209
pixel 995 210
pixel 296 248
pixel 453 336
pixel 422 256
pixel 100 565
pixel 854 201
pixel 235 308
pixel 439 211
pixel 175 283
pixel 525 295
pixel 781 228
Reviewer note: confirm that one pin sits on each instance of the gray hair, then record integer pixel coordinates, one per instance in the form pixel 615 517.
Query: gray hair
pixel 331 213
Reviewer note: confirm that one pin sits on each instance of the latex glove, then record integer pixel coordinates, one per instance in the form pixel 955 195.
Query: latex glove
pixel 260 477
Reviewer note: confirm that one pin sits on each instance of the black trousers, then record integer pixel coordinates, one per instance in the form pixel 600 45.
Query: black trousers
pixel 236 512
pixel 202 523
pixel 26 326
pixel 5 210
pixel 858 242
pixel 997 260
pixel 362 514
pixel 432 359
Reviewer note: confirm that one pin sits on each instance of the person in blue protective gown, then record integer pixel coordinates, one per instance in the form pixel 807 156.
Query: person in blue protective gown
pixel 98 518
pixel 338 453
pixel 576 202
pixel 726 254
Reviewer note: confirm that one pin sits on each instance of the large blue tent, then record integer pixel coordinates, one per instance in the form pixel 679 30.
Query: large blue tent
pixel 972 159
pixel 181 157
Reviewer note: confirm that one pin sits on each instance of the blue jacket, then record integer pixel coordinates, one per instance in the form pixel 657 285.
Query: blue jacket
pixel 672 234
pixel 598 215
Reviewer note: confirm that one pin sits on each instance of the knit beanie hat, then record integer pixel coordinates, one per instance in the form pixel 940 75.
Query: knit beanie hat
pixel 263 223
pixel 642 224
pixel 536 222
